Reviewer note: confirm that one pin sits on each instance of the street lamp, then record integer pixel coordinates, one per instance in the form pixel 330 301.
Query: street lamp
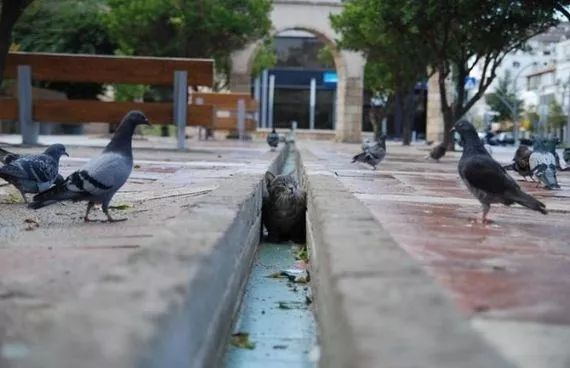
pixel 567 132
pixel 514 107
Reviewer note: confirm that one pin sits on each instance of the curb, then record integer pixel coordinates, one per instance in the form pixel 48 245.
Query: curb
pixel 374 304
pixel 171 304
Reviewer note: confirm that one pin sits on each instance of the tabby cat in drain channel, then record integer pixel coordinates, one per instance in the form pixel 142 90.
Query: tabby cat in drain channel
pixel 284 208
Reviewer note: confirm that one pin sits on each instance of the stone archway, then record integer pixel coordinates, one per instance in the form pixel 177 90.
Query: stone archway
pixel 313 16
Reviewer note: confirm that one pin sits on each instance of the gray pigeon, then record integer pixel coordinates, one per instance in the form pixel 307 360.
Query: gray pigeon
pixel 485 178
pixel 372 152
pixel 6 156
pixel 550 145
pixel 437 152
pixel 99 179
pixel 566 154
pixel 273 139
pixel 32 173
pixel 543 163
pixel 521 162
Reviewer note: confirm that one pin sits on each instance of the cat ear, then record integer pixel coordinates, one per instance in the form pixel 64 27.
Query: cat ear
pixel 269 176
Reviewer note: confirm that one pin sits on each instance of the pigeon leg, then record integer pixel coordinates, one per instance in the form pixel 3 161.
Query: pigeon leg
pixel 89 207
pixel 109 218
pixel 486 208
pixel 23 195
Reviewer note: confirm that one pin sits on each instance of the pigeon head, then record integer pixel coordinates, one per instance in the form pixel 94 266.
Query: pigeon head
pixel 541 145
pixel 135 118
pixel 469 137
pixel 56 151
pixel 122 139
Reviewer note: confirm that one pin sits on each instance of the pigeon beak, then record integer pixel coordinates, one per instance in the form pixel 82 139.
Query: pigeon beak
pixel 146 122
pixel 452 130
pixel 65 153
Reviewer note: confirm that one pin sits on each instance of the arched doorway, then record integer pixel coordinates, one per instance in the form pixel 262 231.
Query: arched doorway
pixel 312 17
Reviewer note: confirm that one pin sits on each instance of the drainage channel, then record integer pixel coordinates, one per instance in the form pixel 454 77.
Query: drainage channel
pixel 275 326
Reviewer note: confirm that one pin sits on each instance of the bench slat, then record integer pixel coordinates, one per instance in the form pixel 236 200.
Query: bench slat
pixel 110 69
pixel 82 111
pixel 225 101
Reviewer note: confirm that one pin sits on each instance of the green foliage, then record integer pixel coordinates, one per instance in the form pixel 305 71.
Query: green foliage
pixel 384 31
pixel 65 26
pixel 188 28
pixel 556 117
pixel 450 37
pixel 265 57
pixel 61 26
pixel 468 33
pixel 326 56
pixel 130 92
pixel 503 98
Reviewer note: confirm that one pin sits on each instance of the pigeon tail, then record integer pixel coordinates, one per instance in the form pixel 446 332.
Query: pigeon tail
pixel 548 178
pixel 54 194
pixel 528 201
pixel 6 156
pixel 509 167
pixel 361 157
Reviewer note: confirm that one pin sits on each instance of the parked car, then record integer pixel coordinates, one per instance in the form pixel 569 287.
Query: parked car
pixel 505 138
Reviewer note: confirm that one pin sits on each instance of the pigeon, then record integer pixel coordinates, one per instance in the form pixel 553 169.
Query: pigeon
pixel 32 173
pixel 543 164
pixel 372 152
pixel 273 139
pixel 550 145
pixel 100 178
pixel 566 154
pixel 6 156
pixel 521 162
pixel 485 178
pixel 437 152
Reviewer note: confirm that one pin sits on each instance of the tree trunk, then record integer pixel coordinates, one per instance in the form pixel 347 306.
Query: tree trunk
pixel 409 108
pixel 398 112
pixel 374 121
pixel 446 110
pixel 11 11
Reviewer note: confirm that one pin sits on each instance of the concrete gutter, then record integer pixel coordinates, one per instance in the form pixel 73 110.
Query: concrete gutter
pixel 377 307
pixel 171 304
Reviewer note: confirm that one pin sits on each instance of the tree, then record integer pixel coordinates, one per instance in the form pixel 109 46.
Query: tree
pixel 265 57
pixel 384 31
pixel 467 33
pixel 65 26
pixel 556 117
pixel 451 36
pixel 503 98
pixel 188 28
pixel 11 11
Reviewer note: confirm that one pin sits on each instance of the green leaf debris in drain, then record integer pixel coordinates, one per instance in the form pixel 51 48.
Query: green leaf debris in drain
pixel 241 340
pixel 302 255
pixel 121 206
pixel 291 305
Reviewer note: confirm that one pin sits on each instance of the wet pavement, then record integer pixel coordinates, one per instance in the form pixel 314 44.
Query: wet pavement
pixel 516 270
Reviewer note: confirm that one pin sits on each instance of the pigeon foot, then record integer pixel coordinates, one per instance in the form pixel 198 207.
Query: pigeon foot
pixel 112 220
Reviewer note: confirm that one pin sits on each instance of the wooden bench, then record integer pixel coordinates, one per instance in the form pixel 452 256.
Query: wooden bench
pixel 177 72
pixel 233 111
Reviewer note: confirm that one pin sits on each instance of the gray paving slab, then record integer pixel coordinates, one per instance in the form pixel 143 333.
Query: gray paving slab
pixel 376 306
pixel 156 291
pixel 509 279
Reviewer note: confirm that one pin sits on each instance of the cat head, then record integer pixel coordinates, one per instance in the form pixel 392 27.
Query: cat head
pixel 282 186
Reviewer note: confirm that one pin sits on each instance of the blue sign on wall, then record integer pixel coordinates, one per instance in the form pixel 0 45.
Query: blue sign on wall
pixel 330 77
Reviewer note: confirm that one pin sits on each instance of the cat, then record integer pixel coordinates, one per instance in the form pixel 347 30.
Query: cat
pixel 284 207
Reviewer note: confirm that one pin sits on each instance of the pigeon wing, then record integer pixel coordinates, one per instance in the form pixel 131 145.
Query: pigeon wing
pixel 102 175
pixel 484 173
